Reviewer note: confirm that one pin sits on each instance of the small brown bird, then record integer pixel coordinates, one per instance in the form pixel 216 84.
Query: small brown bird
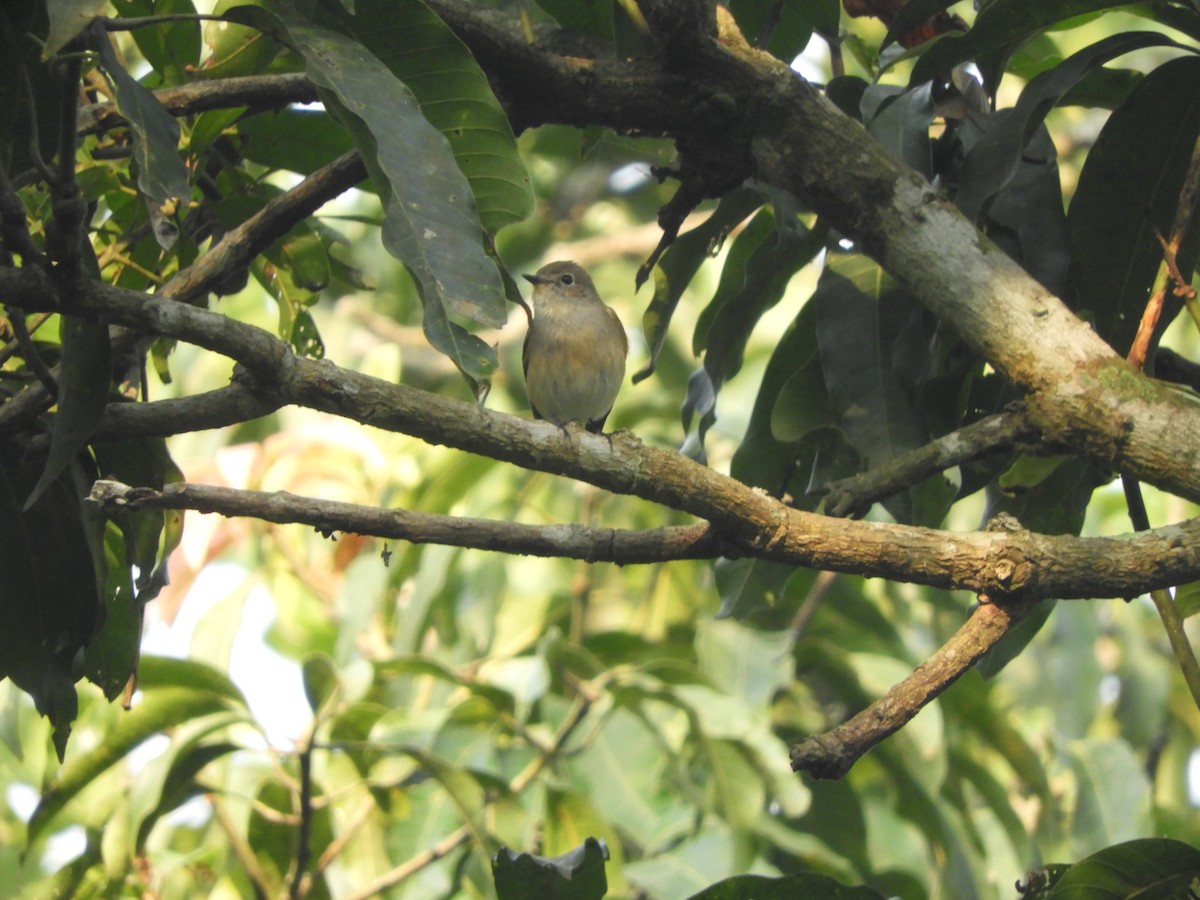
pixel 575 349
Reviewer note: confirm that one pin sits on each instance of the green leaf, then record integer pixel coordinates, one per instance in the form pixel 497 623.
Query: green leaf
pixel 162 176
pixel 900 121
pixel 576 875
pixel 789 887
pixel 67 19
pixel 159 709
pixel 455 97
pixel 590 17
pixel 682 260
pixel 49 601
pixel 298 140
pixel 431 224
pixel 912 15
pixel 1113 795
pixel 861 320
pixel 1147 867
pixel 993 161
pixel 1129 187
pixel 1000 28
pixel 83 388
pixel 172 48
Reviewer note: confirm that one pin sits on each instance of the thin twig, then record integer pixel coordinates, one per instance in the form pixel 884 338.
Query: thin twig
pixel 1172 621
pixel 299 885
pixel 33 359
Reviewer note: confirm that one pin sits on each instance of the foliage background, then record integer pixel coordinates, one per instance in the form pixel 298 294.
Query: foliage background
pixel 462 700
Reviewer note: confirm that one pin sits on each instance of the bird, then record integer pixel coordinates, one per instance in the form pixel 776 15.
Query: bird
pixel 575 349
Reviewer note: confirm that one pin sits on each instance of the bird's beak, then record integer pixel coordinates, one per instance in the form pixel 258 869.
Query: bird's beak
pixel 535 279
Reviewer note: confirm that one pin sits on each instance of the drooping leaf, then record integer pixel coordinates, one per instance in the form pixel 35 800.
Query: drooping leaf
pixel 158 710
pixel 900 121
pixel 455 97
pixel 999 29
pixel 67 19
pixel 1129 188
pixel 162 176
pixel 83 388
pixel 49 601
pixel 431 224
pixel 993 161
pixel 861 321
pixel 680 263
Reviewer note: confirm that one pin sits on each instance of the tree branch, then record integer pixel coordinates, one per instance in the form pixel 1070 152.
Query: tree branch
pixel 853 496
pixel 743 105
pixel 830 755
pixel 622 547
pixel 997 564
pixel 255 91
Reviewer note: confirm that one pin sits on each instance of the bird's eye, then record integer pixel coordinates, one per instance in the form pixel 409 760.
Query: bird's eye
pixel 567 279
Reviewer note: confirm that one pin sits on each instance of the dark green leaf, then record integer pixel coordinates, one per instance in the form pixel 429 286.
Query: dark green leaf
pixel 67 19
pixel 993 161
pixel 859 329
pixel 431 224
pixel 162 176
pixel 585 17
pixel 294 139
pixel 999 29
pixel 682 260
pixel 900 121
pixel 455 97
pixel 1129 188
pixel 49 601
pixel 788 887
pixel 1159 868
pixel 159 709
pixel 577 875
pixel 83 388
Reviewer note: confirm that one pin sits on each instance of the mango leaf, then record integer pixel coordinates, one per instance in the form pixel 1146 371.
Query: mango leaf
pixel 1128 188
pixel 159 709
pixel 993 161
pixel 1148 867
pixel 682 260
pixel 430 223
pixel 82 395
pixel 861 320
pixel 455 97
pixel 162 176
pixel 788 887
pixel 1000 28
pixel 49 601
pixel 900 121
pixel 760 264
pixel 590 17
pixel 784 29
pixel 576 875
pixel 67 19
pixel 911 15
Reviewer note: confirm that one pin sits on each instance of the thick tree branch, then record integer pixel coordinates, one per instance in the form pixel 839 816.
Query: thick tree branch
pixel 742 105
pixel 830 755
pixel 997 564
pixel 328 516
